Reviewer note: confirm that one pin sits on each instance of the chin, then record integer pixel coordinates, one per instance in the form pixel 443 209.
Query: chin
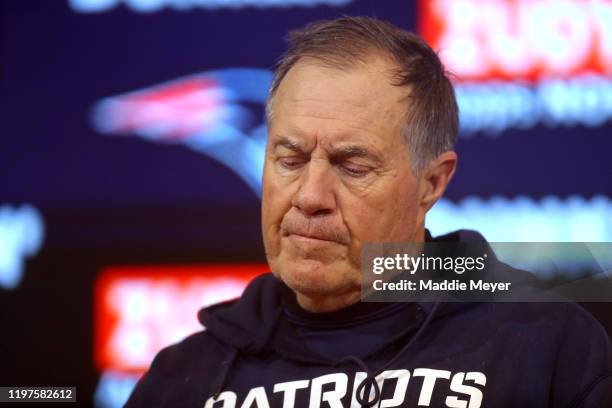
pixel 313 278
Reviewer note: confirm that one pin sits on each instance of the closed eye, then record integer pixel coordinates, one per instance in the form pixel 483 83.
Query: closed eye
pixel 291 163
pixel 355 170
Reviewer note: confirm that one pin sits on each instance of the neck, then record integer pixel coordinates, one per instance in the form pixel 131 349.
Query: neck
pixel 329 303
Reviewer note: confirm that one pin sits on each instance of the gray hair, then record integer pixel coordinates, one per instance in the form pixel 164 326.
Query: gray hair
pixel 432 121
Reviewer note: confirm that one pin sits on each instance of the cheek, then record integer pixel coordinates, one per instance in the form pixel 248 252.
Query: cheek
pixel 368 223
pixel 404 208
pixel 391 214
pixel 403 219
pixel 275 203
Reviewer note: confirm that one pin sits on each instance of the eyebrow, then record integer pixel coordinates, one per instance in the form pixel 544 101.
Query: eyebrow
pixel 340 152
pixel 352 151
pixel 287 143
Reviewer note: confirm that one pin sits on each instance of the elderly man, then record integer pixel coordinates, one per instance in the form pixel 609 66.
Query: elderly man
pixel 362 123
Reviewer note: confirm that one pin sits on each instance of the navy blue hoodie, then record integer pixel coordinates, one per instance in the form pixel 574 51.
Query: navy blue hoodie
pixel 444 355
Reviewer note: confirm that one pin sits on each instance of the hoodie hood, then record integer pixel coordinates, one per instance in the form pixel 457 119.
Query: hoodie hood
pixel 247 323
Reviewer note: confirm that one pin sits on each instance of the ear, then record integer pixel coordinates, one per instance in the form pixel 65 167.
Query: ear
pixel 435 177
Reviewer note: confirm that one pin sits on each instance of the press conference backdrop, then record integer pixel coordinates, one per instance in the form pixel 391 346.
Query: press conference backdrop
pixel 132 149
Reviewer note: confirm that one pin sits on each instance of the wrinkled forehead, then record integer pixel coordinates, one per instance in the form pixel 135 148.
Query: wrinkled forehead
pixel 359 97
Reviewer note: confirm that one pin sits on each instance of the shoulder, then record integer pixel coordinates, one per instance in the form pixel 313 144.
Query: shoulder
pixel 184 356
pixel 180 373
pixel 557 329
pixel 559 341
pixel 563 331
pixel 555 317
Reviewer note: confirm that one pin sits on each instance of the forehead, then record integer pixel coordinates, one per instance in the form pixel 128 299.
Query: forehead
pixel 355 102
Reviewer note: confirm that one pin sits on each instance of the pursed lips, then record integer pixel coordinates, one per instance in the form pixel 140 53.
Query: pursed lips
pixel 313 232
pixel 303 237
pixel 311 237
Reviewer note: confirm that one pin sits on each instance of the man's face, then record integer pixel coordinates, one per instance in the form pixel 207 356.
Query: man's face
pixel 337 174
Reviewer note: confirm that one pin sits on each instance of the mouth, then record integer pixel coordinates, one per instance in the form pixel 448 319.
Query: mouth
pixel 310 238
pixel 310 243
pixel 312 234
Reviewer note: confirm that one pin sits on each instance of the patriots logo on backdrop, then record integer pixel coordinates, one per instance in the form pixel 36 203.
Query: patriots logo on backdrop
pixel 218 113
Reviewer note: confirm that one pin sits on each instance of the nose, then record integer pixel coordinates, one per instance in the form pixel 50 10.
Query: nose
pixel 315 195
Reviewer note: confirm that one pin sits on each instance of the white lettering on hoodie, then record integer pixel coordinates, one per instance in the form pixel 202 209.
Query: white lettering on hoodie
pixel 471 396
pixel 333 397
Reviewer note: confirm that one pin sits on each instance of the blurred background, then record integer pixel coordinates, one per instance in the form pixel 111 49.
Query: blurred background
pixel 131 147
